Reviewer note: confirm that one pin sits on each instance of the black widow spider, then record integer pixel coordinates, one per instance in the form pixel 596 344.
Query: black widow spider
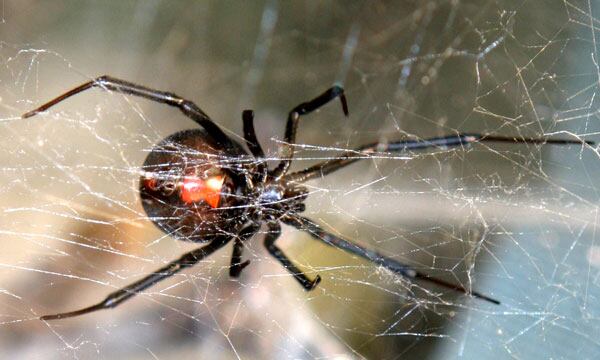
pixel 202 186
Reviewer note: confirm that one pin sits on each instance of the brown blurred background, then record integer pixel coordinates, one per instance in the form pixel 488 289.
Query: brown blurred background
pixel 515 222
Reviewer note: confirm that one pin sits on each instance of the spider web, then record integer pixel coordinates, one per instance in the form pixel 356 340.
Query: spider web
pixel 515 222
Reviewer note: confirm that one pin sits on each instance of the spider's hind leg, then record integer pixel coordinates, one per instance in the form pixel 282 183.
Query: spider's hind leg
pixel 270 238
pixel 114 299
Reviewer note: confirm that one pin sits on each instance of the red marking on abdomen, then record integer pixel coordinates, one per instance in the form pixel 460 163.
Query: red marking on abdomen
pixel 195 189
pixel 150 184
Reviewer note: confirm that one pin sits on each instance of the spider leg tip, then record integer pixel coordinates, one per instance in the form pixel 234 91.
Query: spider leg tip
pixel 49 317
pixel 28 114
pixel 345 107
pixel 486 298
pixel 315 282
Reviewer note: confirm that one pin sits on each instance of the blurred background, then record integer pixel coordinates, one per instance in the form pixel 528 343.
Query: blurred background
pixel 516 222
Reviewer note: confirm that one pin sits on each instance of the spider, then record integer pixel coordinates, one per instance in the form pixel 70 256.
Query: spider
pixel 200 185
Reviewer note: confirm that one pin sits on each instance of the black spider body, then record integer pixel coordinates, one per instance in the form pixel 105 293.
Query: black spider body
pixel 177 168
pixel 202 186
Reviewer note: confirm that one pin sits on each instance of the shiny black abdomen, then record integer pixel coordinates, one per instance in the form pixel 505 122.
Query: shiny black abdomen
pixel 193 153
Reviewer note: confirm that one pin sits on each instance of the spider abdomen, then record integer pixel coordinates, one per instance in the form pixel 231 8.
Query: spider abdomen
pixel 191 188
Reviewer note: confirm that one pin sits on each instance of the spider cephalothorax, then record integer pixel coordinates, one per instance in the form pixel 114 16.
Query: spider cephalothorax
pixel 202 186
pixel 274 199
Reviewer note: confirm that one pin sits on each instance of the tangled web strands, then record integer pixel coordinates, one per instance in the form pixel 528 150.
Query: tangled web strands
pixel 485 206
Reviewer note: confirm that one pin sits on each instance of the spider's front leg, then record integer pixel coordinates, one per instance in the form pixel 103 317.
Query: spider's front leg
pixel 443 142
pixel 287 149
pixel 187 260
pixel 270 238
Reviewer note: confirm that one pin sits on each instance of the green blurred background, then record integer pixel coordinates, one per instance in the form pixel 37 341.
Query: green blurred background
pixel 515 222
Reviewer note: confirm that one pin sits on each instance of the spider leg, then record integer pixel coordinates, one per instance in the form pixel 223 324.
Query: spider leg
pixel 318 233
pixel 238 246
pixel 250 134
pixel 254 145
pixel 458 140
pixel 270 238
pixel 105 82
pixel 187 260
pixel 287 149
